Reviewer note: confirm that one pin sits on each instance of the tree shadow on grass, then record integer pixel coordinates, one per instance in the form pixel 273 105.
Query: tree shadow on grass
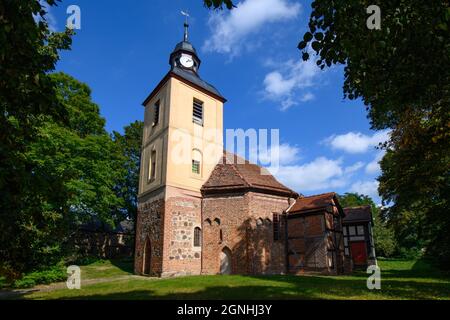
pixel 280 287
pixel 422 268
pixel 126 265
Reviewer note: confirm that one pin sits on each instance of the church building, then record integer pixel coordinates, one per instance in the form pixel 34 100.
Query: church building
pixel 202 210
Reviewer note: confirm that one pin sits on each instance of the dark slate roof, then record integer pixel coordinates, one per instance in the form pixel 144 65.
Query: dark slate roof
pixel 192 77
pixel 235 174
pixel 358 214
pixel 185 46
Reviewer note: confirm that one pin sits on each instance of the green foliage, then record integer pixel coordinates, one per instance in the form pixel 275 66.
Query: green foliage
pixel 76 167
pixel 218 4
pixel 416 178
pixel 394 71
pixel 129 145
pixel 383 235
pixel 28 51
pixel 55 274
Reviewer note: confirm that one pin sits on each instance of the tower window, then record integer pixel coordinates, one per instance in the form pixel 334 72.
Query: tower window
pixel 197 115
pixel 156 113
pixel 196 166
pixel 152 167
pixel 197 237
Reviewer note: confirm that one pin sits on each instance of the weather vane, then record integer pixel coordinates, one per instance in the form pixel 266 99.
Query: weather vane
pixel 186 24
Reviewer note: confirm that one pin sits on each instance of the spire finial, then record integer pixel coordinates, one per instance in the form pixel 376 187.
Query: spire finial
pixel 186 24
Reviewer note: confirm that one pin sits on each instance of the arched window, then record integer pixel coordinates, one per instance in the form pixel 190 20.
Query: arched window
pixel 217 221
pixel 208 222
pixel 197 237
pixel 152 166
pixel 197 162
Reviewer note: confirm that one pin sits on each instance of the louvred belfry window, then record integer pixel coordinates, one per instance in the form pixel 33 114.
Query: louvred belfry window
pixel 156 113
pixel 197 115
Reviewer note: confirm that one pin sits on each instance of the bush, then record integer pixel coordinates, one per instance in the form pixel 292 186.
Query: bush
pixel 24 283
pixel 54 274
pixel 410 253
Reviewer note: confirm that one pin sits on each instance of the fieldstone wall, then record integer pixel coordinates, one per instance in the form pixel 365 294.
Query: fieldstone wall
pixel 183 215
pixel 150 218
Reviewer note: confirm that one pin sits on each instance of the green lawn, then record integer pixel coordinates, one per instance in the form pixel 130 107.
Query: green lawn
pixel 106 269
pixel 400 280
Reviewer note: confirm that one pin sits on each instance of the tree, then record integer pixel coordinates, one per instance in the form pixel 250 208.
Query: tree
pixel 394 71
pixel 219 4
pixel 130 147
pixel 28 51
pixel 77 166
pixel 416 179
pixel 383 235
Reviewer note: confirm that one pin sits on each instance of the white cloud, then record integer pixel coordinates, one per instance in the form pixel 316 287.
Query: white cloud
pixel 320 174
pixel 354 168
pixel 230 30
pixel 287 83
pixel 307 97
pixel 276 85
pixel 368 188
pixel 356 142
pixel 285 153
pixel 373 167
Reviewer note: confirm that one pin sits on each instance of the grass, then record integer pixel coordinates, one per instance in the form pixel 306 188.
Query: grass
pixel 106 269
pixel 401 279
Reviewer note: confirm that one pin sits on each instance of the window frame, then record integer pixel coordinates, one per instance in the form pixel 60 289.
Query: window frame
pixel 156 113
pixel 152 166
pixel 195 119
pixel 198 166
pixel 197 237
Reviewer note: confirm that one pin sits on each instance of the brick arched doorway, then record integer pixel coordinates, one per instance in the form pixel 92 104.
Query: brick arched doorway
pixel 147 259
pixel 225 261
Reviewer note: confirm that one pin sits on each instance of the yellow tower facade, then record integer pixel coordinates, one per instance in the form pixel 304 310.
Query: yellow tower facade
pixel 182 143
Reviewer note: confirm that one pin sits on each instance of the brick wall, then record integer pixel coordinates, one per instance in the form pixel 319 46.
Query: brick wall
pixel 315 243
pixel 245 222
pixel 224 215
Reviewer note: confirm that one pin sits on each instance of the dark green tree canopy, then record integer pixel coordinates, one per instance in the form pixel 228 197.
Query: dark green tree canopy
pixel 403 66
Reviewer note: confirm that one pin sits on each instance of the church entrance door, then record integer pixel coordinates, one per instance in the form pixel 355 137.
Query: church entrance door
pixel 225 261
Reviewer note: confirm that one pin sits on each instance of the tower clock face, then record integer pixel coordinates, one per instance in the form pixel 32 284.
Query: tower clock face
pixel 187 61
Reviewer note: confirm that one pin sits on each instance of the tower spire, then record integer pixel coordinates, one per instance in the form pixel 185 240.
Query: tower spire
pixel 186 25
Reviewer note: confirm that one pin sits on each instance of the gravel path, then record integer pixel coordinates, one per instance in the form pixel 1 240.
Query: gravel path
pixel 8 294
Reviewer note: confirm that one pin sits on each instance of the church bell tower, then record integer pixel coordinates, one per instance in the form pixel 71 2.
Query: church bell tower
pixel 182 143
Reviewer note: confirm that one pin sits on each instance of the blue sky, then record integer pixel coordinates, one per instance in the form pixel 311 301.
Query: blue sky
pixel 250 55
